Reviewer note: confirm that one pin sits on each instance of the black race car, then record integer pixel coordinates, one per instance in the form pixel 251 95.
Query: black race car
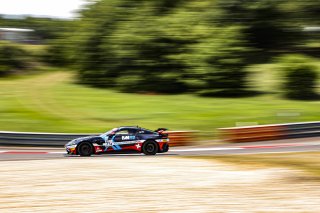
pixel 126 139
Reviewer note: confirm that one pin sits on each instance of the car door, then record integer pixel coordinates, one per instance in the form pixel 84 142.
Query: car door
pixel 123 138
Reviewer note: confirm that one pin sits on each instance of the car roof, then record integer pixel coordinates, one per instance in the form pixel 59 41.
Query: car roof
pixel 134 127
pixel 129 127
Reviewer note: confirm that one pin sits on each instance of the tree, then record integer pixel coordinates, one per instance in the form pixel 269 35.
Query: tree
pixel 268 25
pixel 300 77
pixel 179 46
pixel 220 61
pixel 130 43
pixel 12 58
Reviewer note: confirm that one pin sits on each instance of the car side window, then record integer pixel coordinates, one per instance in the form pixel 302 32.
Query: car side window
pixel 142 131
pixel 132 132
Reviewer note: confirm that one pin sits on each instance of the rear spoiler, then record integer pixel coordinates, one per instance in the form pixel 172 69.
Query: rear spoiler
pixel 161 130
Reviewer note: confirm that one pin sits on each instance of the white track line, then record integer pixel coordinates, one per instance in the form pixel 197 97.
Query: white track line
pixel 29 151
pixel 57 152
pixel 206 149
pixel 310 143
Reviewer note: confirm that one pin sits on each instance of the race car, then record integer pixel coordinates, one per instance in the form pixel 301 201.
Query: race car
pixel 126 139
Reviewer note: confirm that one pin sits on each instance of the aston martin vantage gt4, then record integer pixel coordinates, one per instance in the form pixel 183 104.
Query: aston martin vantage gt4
pixel 126 139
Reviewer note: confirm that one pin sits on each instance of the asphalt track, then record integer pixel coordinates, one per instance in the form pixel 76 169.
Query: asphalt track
pixel 281 146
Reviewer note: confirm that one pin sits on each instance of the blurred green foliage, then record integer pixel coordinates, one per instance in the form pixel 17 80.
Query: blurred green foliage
pixel 55 54
pixel 268 24
pixel 163 46
pixel 300 77
pixel 197 46
pixel 160 46
pixel 12 58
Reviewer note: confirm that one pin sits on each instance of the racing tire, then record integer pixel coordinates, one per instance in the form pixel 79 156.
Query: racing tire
pixel 150 148
pixel 85 149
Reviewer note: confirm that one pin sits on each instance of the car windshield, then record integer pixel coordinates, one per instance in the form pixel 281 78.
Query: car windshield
pixel 109 132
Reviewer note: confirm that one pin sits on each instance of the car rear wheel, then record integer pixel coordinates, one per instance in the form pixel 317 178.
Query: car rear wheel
pixel 85 149
pixel 150 148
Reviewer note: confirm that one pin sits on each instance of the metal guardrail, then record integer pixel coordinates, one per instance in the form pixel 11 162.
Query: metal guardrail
pixel 37 139
pixel 270 132
pixel 177 138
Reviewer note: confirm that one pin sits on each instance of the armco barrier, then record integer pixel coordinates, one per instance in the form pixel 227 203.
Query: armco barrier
pixel 270 132
pixel 36 139
pixel 181 138
pixel 177 138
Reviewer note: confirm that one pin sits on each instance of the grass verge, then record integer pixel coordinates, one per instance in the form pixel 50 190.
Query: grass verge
pixel 52 102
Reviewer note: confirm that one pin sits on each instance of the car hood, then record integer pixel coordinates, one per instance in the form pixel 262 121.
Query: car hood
pixel 87 138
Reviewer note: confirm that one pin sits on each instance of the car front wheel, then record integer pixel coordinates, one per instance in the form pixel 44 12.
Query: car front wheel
pixel 85 149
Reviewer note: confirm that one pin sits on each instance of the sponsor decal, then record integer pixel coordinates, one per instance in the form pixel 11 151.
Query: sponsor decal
pixel 138 146
pixel 128 137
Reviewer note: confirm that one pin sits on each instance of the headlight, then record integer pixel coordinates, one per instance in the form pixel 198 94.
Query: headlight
pixel 71 143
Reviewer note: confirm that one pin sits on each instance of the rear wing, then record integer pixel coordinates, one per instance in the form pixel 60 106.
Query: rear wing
pixel 162 131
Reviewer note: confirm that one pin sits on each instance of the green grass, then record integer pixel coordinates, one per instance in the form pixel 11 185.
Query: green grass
pixel 51 102
pixel 304 161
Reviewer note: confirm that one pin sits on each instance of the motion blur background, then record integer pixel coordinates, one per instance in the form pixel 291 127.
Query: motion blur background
pixel 88 66
pixel 78 66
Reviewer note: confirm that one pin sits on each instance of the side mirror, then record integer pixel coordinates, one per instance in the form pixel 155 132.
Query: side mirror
pixel 110 136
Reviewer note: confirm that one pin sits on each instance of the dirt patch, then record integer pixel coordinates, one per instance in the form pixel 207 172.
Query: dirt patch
pixel 150 184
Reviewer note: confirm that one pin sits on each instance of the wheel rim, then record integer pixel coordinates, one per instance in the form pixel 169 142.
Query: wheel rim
pixel 150 148
pixel 85 149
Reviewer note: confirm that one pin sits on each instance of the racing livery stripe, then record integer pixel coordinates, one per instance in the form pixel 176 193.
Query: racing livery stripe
pixel 116 147
pixel 126 142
